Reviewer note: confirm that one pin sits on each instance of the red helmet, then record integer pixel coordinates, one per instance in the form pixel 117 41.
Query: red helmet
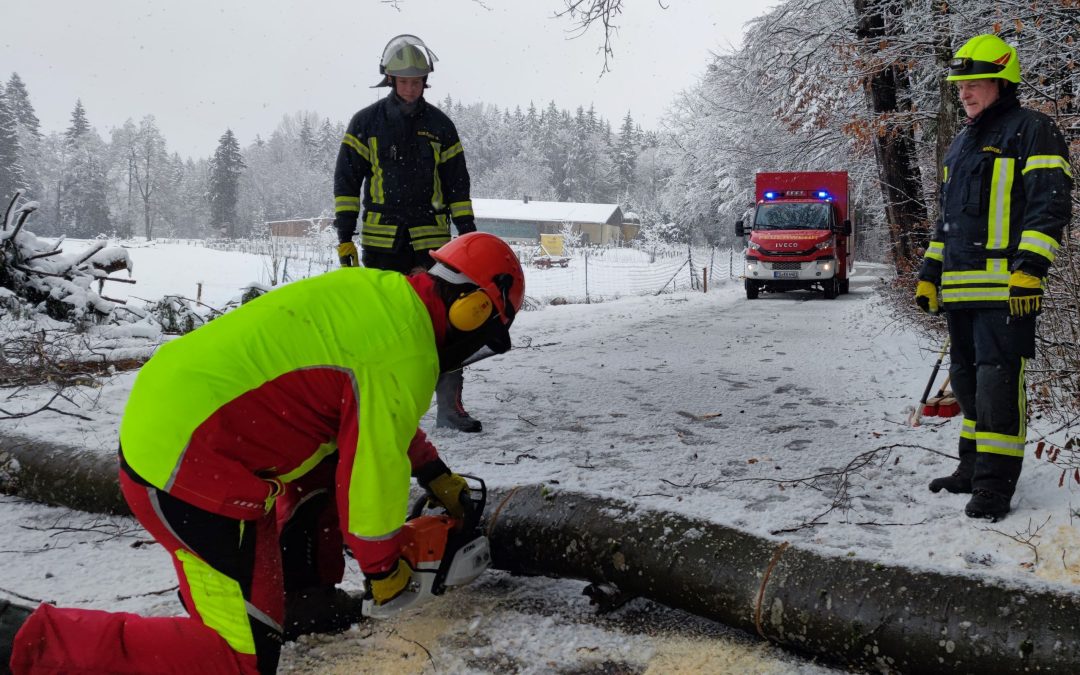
pixel 491 264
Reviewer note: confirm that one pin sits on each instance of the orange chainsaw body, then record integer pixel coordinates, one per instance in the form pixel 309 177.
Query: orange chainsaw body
pixel 424 540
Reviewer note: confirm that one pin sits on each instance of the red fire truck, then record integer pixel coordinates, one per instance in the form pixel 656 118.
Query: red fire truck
pixel 801 236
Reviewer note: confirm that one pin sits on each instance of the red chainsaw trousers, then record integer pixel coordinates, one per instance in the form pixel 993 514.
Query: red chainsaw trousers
pixel 230 582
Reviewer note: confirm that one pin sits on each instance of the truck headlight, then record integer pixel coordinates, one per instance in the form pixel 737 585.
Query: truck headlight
pixel 753 246
pixel 821 245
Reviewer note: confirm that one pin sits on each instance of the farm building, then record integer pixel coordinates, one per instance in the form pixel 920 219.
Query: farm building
pixel 524 220
pixel 300 227
pixel 517 220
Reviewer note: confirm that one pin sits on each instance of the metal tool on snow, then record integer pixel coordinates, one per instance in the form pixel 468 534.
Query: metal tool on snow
pixel 917 414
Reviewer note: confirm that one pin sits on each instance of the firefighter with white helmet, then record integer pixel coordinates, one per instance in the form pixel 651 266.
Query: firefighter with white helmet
pixel 401 164
pixel 1005 199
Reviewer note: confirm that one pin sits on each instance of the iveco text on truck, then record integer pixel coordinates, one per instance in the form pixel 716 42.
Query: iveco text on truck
pixel 801 235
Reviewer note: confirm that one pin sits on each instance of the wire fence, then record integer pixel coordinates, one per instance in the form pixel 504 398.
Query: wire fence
pixel 582 275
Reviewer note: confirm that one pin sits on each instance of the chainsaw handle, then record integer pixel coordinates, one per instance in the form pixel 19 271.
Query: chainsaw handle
pixel 473 507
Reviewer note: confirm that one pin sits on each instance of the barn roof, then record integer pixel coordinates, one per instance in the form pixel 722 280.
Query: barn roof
pixel 532 210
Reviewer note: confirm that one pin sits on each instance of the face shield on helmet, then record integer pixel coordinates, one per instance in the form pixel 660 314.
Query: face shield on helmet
pixel 405 56
pixel 984 57
pixel 489 289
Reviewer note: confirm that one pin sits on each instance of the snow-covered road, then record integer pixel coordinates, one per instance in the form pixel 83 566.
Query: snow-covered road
pixel 783 416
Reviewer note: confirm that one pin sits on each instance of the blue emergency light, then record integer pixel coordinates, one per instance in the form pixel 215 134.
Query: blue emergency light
pixel 770 195
pixel 822 194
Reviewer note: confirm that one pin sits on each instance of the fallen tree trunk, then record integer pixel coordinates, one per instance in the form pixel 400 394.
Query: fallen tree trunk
pixel 854 612
pixel 60 475
pixel 858 613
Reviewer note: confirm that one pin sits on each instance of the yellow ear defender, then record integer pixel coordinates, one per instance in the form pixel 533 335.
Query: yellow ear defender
pixel 470 311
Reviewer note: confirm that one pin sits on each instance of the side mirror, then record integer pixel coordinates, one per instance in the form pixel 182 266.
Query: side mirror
pixel 739 232
pixel 846 231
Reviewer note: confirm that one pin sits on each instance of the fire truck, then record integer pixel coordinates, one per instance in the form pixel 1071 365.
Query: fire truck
pixel 801 235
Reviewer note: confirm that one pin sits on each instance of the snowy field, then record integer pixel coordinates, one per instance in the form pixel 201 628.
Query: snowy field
pixel 707 405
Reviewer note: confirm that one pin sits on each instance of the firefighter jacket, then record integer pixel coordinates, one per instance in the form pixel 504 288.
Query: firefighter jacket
pixel 406 166
pixel 1005 199
pixel 224 416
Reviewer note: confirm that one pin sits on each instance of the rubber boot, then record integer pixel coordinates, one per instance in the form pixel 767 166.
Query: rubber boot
pixel 959 481
pixel 988 505
pixel 994 483
pixel 450 412
pixel 322 609
pixel 12 617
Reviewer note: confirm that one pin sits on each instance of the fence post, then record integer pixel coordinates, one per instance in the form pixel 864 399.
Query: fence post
pixel 705 279
pixel 587 277
pixel 690 261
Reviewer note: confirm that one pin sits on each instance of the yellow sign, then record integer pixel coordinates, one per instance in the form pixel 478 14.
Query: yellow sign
pixel 551 244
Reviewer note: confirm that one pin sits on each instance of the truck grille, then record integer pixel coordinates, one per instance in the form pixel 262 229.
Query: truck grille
pixel 787 265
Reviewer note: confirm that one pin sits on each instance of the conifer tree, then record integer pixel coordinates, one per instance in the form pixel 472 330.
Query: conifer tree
pixel 84 210
pixel 18 100
pixel 11 171
pixel 625 153
pixel 225 169
pixel 79 124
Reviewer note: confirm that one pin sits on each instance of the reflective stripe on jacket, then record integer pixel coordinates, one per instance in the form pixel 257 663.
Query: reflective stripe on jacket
pixel 407 170
pixel 1004 202
pixel 221 417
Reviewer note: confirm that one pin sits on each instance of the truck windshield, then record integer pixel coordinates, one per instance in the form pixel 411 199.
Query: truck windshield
pixel 792 216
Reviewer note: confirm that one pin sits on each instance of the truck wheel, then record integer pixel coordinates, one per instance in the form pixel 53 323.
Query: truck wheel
pixel 832 288
pixel 751 289
pixel 845 286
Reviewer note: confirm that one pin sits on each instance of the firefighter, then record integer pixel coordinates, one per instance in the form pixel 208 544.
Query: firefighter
pixel 1005 198
pixel 326 376
pixel 410 156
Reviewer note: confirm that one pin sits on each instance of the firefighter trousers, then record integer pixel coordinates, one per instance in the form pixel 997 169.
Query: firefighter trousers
pixel 987 359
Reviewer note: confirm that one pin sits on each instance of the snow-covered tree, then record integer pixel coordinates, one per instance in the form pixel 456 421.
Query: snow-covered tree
pixel 83 194
pixel 148 160
pixel 11 170
pixel 224 188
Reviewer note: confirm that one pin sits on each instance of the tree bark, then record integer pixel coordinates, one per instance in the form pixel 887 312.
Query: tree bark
pixel 60 475
pixel 856 613
pixel 894 142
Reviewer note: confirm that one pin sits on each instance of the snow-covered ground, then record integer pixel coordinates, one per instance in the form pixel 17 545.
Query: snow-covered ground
pixel 709 405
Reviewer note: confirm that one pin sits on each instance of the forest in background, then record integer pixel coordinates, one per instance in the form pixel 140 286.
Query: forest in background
pixel 855 85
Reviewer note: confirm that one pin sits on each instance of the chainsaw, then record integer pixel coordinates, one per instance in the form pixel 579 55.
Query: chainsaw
pixel 443 552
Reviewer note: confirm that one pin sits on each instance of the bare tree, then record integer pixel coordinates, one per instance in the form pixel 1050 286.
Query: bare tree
pixel 146 151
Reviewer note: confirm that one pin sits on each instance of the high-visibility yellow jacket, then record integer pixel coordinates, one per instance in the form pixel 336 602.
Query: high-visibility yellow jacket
pixel 1004 202
pixel 347 361
pixel 406 166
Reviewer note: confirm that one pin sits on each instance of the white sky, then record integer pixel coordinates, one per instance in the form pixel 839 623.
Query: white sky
pixel 201 66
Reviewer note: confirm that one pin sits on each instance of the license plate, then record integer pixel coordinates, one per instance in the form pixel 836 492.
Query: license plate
pixel 785 275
